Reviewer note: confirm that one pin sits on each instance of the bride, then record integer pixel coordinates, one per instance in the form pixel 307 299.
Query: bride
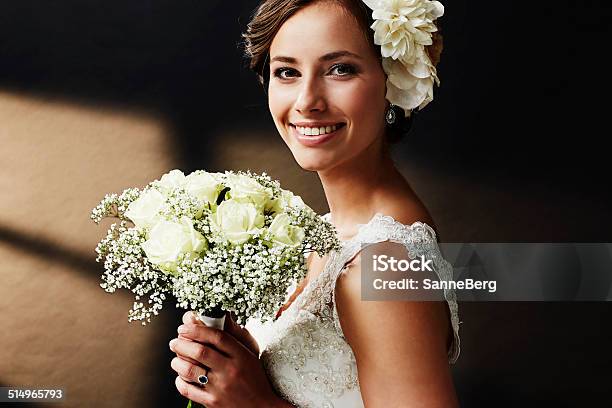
pixel 340 92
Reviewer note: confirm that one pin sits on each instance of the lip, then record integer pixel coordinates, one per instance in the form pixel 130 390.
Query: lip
pixel 313 141
pixel 315 124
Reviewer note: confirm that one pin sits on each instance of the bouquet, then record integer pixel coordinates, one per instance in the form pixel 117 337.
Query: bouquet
pixel 216 242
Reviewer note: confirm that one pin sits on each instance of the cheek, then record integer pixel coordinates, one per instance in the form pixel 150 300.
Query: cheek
pixel 279 103
pixel 364 102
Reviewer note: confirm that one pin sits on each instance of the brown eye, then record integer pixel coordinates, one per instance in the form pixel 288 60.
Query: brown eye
pixel 285 73
pixel 343 70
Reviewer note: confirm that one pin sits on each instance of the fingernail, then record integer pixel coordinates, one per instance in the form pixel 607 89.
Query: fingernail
pixel 172 343
pixel 182 329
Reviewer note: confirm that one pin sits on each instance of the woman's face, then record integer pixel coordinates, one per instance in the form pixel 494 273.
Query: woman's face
pixel 324 76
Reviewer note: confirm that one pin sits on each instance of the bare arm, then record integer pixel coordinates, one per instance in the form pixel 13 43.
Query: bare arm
pixel 400 347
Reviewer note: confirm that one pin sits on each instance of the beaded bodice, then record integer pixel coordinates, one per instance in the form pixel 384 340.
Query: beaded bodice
pixel 304 351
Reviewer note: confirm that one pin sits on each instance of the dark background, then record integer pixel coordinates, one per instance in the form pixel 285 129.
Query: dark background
pixel 523 107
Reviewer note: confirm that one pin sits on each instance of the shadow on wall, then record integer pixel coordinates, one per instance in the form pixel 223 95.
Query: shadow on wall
pixel 53 252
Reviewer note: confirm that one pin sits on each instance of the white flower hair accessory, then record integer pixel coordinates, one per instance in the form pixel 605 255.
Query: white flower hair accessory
pixel 403 28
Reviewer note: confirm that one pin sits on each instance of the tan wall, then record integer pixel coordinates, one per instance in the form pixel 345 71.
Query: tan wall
pixel 59 328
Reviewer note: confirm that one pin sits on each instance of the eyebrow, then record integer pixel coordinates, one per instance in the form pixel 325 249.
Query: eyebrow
pixel 327 57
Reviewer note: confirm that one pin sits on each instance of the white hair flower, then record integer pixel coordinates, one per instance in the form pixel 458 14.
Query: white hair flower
pixel 403 28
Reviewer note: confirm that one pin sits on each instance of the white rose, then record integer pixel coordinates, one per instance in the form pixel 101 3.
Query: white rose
pixel 237 222
pixel 292 200
pixel 244 189
pixel 285 233
pixel 286 200
pixel 144 211
pixel 168 240
pixel 172 180
pixel 203 185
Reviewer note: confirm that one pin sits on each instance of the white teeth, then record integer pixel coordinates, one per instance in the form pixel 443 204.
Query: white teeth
pixel 316 131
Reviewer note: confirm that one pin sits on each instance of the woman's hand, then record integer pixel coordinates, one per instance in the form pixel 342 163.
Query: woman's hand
pixel 235 376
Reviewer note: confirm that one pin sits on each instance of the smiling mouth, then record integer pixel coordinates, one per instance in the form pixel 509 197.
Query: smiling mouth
pixel 317 130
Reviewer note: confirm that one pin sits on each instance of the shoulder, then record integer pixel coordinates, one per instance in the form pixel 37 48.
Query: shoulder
pixel 357 316
pixel 424 320
pixel 406 225
pixel 402 213
pixel 407 211
pixel 414 329
pixel 405 341
pixel 421 321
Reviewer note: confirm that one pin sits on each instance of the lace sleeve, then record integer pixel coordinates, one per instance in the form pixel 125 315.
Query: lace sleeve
pixel 419 239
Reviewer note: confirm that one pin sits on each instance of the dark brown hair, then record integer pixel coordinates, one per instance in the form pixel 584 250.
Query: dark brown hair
pixel 272 14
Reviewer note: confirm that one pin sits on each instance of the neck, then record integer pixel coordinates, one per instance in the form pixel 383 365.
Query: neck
pixel 356 189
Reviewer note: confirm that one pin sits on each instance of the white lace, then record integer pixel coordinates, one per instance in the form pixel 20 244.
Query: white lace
pixel 305 353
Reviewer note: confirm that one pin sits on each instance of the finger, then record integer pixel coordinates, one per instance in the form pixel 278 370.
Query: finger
pixel 180 336
pixel 185 378
pixel 198 352
pixel 188 371
pixel 195 393
pixel 188 359
pixel 241 334
pixel 219 339
pixel 190 318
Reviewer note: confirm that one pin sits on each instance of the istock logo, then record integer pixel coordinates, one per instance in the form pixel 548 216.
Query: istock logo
pixel 383 263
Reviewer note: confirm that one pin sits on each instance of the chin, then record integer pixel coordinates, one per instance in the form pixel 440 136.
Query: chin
pixel 311 165
pixel 314 161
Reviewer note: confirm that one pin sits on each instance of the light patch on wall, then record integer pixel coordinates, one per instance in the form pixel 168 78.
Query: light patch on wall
pixel 57 160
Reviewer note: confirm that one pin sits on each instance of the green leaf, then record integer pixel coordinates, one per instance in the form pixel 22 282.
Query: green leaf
pixel 192 404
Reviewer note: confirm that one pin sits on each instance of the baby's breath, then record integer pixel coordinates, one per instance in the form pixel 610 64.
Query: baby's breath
pixel 181 204
pixel 321 236
pixel 114 205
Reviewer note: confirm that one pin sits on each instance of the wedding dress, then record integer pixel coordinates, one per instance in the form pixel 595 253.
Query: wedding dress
pixel 304 352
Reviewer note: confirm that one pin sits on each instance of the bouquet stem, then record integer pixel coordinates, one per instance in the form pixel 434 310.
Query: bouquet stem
pixel 211 318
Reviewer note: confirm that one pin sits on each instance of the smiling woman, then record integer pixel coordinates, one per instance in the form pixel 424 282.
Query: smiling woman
pixel 271 15
pixel 337 91
pixel 333 78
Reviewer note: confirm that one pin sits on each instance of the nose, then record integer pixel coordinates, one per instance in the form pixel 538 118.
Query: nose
pixel 311 97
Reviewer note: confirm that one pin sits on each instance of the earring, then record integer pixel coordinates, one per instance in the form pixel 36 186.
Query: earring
pixel 390 115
